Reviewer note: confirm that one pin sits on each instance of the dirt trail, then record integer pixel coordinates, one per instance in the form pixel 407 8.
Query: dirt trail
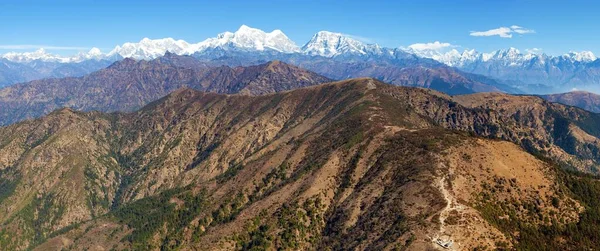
pixel 451 205
pixel 446 211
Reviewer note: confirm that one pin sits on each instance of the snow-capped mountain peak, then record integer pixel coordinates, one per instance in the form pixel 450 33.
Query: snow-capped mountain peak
pixel 508 57
pixel 584 56
pixel 42 55
pixel 248 38
pixel 330 44
pixel 451 57
pixel 448 57
pixel 92 54
pixel 152 48
pixel 247 29
pixel 245 38
pixel 469 54
pixel 323 43
pixel 39 54
pixel 455 58
pixel 510 53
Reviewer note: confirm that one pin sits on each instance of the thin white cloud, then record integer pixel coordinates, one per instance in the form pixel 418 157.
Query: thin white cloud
pixel 33 46
pixel 521 30
pixel 359 38
pixel 437 45
pixel 504 32
pixel 534 50
pixel 501 32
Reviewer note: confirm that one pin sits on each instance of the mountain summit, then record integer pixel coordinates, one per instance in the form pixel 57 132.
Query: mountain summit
pixel 330 44
pixel 150 49
pixel 247 38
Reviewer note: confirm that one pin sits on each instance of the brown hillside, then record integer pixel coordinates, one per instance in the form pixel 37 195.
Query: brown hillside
pixel 356 164
pixel 585 100
pixel 128 85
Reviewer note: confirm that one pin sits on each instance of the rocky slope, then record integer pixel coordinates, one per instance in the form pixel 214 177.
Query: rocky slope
pixel 585 100
pixel 567 134
pixel 356 164
pixel 128 85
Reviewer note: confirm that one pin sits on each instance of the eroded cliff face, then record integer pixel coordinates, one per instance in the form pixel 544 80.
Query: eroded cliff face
pixel 356 164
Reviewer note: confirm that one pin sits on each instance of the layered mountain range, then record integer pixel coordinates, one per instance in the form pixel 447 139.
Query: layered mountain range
pixel 349 165
pixel 504 70
pixel 12 72
pixel 128 84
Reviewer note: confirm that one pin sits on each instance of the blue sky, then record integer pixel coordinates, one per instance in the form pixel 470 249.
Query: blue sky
pixel 556 27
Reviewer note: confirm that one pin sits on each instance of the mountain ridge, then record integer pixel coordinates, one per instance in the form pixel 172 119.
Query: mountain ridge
pixel 585 100
pixel 129 84
pixel 355 163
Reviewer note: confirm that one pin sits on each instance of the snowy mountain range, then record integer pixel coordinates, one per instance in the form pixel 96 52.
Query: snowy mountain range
pixel 245 38
pixel 529 72
pixel 324 43
pixel 509 57
pixel 42 55
pixel 330 44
